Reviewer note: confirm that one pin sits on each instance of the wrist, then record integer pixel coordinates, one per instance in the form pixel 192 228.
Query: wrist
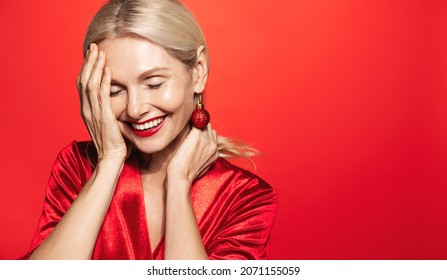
pixel 178 186
pixel 110 164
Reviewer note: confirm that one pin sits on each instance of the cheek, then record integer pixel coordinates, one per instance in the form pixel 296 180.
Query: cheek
pixel 179 94
pixel 177 100
pixel 118 105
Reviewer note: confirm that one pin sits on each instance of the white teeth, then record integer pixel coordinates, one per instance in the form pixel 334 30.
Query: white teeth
pixel 147 125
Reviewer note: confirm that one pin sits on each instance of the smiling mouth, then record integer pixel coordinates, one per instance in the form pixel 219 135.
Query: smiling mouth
pixel 147 128
pixel 148 124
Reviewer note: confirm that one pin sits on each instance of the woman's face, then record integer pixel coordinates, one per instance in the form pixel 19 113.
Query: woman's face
pixel 152 93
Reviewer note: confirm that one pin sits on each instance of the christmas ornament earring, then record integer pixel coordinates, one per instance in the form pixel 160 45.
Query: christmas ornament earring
pixel 200 117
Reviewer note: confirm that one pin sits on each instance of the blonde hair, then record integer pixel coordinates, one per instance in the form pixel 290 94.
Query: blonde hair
pixel 168 24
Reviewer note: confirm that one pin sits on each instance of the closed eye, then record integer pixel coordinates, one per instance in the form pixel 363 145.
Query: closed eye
pixel 116 92
pixel 115 89
pixel 154 86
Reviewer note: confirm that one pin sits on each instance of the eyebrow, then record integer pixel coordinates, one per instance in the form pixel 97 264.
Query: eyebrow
pixel 149 72
pixel 143 75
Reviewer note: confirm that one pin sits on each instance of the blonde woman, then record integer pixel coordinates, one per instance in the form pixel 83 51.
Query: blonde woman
pixel 152 183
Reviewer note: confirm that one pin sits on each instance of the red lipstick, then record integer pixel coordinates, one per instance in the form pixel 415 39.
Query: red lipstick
pixel 147 132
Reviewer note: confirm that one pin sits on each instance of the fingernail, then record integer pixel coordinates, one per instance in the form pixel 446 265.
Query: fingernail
pixel 101 54
pixel 91 47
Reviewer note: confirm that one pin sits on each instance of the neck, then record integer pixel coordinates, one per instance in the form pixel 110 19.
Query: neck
pixel 158 162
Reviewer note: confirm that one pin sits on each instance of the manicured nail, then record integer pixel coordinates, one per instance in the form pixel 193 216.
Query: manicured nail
pixel 91 47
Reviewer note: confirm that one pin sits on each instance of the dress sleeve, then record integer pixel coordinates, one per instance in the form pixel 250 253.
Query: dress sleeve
pixel 244 231
pixel 66 180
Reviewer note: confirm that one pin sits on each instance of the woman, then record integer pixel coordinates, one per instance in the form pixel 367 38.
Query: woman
pixel 152 184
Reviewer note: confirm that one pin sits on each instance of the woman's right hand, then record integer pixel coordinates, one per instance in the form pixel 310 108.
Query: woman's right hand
pixel 76 231
pixel 94 92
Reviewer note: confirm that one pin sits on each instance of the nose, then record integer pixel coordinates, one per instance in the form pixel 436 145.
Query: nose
pixel 137 105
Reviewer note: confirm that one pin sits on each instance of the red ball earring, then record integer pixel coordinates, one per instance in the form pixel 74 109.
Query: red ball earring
pixel 200 117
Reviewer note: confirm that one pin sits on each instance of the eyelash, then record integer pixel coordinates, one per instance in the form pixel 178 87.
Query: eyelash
pixel 113 93
pixel 150 86
pixel 157 86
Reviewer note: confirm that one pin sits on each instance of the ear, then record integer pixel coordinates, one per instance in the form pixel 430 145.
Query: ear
pixel 200 71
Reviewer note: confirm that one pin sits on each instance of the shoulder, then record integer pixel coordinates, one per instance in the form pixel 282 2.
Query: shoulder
pixel 236 210
pixel 75 150
pixel 72 162
pixel 239 178
pixel 233 186
pixel 74 155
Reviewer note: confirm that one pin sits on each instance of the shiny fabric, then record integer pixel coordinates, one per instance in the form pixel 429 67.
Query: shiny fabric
pixel 235 210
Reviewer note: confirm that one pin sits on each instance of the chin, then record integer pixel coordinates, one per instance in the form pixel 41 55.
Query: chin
pixel 147 145
pixel 147 148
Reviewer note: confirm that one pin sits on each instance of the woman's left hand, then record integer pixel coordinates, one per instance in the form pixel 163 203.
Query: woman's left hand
pixel 191 160
pixel 194 156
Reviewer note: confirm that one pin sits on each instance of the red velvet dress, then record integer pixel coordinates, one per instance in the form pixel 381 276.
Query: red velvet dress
pixel 235 210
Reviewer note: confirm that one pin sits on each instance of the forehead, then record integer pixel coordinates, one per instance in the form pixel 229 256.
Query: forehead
pixel 129 57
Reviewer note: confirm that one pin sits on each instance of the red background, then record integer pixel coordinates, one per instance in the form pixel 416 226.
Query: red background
pixel 346 99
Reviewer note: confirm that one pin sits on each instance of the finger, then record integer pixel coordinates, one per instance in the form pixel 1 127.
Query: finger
pixel 83 79
pixel 215 136
pixel 87 67
pixel 212 134
pixel 94 83
pixel 78 80
pixel 215 143
pixel 211 144
pixel 104 97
